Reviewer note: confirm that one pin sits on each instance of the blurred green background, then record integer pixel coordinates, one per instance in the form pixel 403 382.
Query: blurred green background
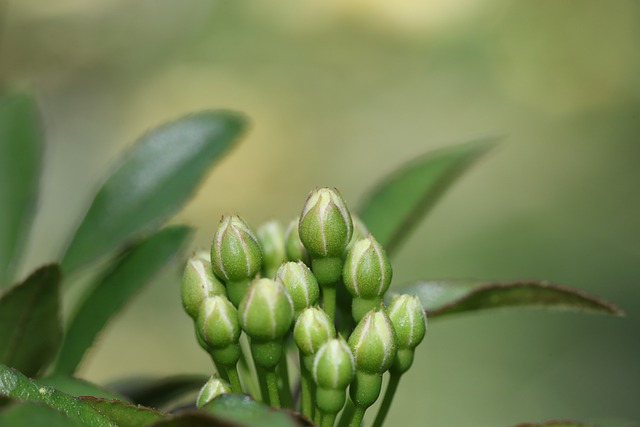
pixel 340 92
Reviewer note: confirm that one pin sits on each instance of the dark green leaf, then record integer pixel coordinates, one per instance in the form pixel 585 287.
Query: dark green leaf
pixel 447 297
pixel 194 419
pixel 79 387
pixel 398 203
pixel 35 415
pixel 242 409
pixel 16 386
pixel 159 392
pixel 30 330
pixel 20 159
pixel 123 414
pixel 113 290
pixel 152 182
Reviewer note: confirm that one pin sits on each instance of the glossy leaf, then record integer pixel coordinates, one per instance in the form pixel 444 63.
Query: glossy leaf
pixel 79 387
pixel 448 297
pixel 20 161
pixel 136 268
pixel 152 182
pixel 158 392
pixel 244 410
pixel 195 419
pixel 16 386
pixel 398 203
pixel 123 414
pixel 35 414
pixel 30 329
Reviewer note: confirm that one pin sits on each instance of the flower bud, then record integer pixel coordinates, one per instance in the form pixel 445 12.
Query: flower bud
pixel 313 328
pixel 360 231
pixel 325 224
pixel 236 254
pixel 293 245
pixel 410 323
pixel 198 283
pixel 266 311
pixel 333 370
pixel 212 389
pixel 217 322
pixel 271 238
pixel 409 320
pixel 333 365
pixel 300 283
pixel 374 343
pixel 367 275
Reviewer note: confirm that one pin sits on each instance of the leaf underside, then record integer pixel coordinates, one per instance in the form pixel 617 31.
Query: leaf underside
pixel 397 204
pixel 30 328
pixel 449 297
pixel 157 176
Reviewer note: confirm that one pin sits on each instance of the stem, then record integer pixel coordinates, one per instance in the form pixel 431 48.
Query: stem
pixel 308 405
pixel 394 380
pixel 222 373
pixel 329 301
pixel 358 415
pixel 234 379
pixel 272 386
pixel 262 381
pixel 328 419
pixel 283 370
pixel 245 368
pixel 347 414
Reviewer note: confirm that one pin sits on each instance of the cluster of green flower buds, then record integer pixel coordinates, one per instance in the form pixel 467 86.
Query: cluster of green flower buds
pixel 279 284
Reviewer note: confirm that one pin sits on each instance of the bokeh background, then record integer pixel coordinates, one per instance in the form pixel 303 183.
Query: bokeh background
pixel 340 92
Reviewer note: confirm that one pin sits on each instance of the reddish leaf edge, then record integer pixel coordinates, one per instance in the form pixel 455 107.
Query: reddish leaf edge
pixel 604 305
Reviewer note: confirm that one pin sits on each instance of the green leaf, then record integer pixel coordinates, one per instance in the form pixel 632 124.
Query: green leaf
pixel 79 387
pixel 136 268
pixel 151 183
pixel 159 392
pixel 20 161
pixel 242 409
pixel 396 205
pixel 194 419
pixel 123 414
pixel 35 414
pixel 447 297
pixel 30 329
pixel 16 386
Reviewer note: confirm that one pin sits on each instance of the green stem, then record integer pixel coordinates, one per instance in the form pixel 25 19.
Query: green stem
pixel 283 371
pixel 394 380
pixel 329 301
pixel 245 367
pixel 234 379
pixel 358 415
pixel 347 414
pixel 222 373
pixel 308 404
pixel 262 381
pixel 328 419
pixel 272 386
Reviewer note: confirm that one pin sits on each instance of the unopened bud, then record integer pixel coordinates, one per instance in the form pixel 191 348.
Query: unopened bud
pixel 410 323
pixel 374 343
pixel 271 238
pixel 198 283
pixel 212 389
pixel 367 275
pixel 300 283
pixel 312 330
pixel 333 370
pixel 293 245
